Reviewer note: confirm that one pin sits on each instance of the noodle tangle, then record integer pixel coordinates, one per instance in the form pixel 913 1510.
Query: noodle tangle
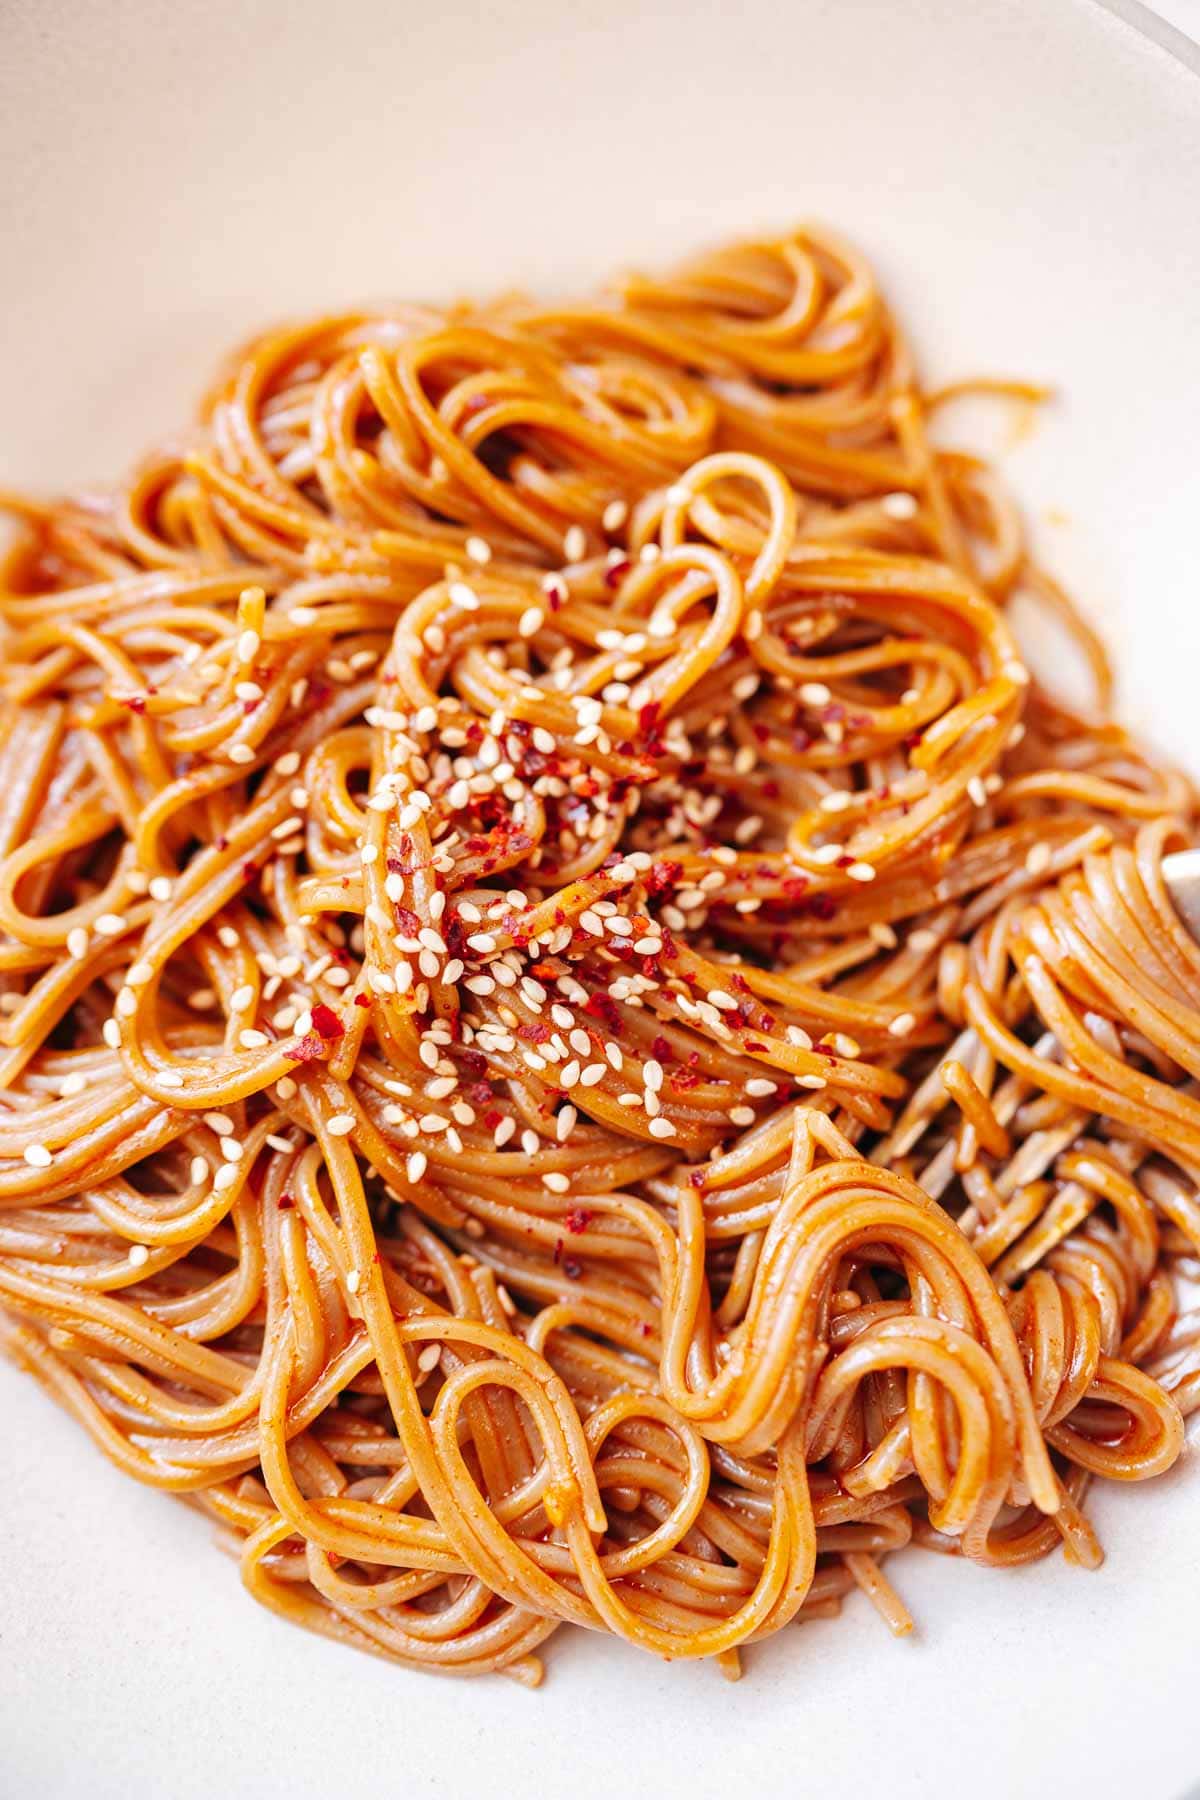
pixel 580 1043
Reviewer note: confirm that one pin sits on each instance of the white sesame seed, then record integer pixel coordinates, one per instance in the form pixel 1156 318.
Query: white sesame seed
pixel 742 1115
pixel 661 1128
pixel 416 1165
pixel 37 1156
pixel 77 942
pixel 110 1031
pixel 170 1078
pixel 479 550
pixel 227 1176
pixel 976 791
pixel 1038 859
pixel 139 1255
pixel 575 544
pixel 898 506
pixel 902 1024
pixel 249 1039
pixel 111 924
pixel 556 1181
pixel 240 753
pixel 615 515
pixel 861 871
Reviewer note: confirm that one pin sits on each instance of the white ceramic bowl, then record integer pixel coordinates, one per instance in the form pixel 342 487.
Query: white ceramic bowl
pixel 1027 175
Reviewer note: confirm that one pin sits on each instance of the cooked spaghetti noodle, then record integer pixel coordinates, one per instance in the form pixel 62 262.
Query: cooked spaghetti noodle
pixel 579 1041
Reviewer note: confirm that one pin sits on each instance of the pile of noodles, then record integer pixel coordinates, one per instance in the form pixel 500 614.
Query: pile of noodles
pixel 579 1042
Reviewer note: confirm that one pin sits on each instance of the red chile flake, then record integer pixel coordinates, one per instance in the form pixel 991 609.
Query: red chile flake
pixel 135 704
pixel 408 921
pixel 663 875
pixel 326 1023
pixel 578 1219
pixel 308 1049
pixel 615 574
pixel 362 1000
pixel 662 1050
pixel 285 1202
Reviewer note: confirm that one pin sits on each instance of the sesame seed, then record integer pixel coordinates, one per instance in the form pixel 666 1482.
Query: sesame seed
pixel 556 1181
pixel 478 549
pixel 170 1078
pixel 139 1255
pixel 861 871
pixel 72 1084
pixel 575 544
pixel 232 1149
pixel 661 1128
pixel 615 515
pixel 226 1177
pixel 1038 859
pixel 742 1115
pixel 77 942
pixel 110 1031
pixel 37 1156
pixel 415 1165
pixel 760 1087
pixel 976 791
pixel 815 693
pixel 898 506
pixel 111 924
pixel 240 753
pixel 286 1088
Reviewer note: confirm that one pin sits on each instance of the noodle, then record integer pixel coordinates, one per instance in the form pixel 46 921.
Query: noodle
pixel 580 1042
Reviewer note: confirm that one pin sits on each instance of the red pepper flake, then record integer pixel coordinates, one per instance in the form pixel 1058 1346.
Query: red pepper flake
pixel 285 1203
pixel 326 1023
pixel 135 703
pixel 616 572
pixel 578 1219
pixel 363 1000
pixel 662 876
pixel 308 1049
pixel 601 1006
pixel 408 921
pixel 662 1050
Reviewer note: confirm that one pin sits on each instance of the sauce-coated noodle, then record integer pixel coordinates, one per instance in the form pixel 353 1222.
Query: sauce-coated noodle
pixel 579 1041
